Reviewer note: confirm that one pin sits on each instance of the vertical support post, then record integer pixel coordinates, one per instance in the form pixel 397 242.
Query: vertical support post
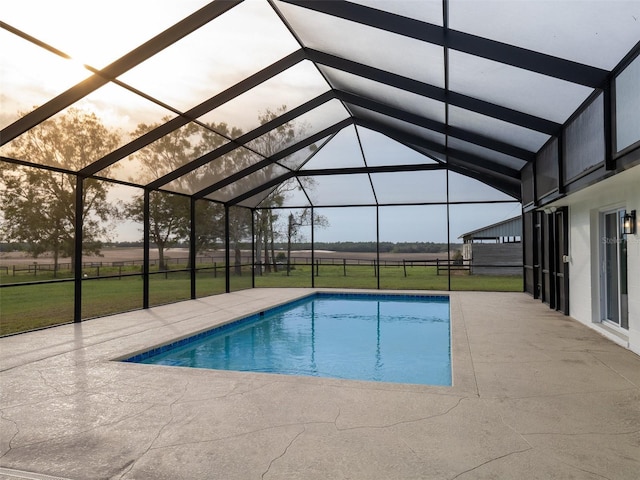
pixel 445 24
pixel 192 246
pixel 344 266
pixel 77 292
pixel 146 246
pixel 561 161
pixel 227 246
pixel 313 249
pixel 253 249
pixel 378 246
pixel 609 108
pixel 448 238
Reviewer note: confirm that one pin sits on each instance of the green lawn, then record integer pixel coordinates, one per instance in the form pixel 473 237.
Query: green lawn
pixel 27 307
pixel 391 278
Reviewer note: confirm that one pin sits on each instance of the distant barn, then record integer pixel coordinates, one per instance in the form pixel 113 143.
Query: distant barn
pixel 495 249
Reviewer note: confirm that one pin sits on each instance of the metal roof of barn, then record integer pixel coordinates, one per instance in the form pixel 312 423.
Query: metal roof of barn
pixel 507 228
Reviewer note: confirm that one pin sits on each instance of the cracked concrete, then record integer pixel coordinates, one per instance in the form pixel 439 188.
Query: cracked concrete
pixel 536 395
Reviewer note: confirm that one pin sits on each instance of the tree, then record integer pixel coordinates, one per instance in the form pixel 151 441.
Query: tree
pixel 38 205
pixel 168 220
pixel 239 230
pixel 209 225
pixel 170 213
pixel 268 145
pixel 294 222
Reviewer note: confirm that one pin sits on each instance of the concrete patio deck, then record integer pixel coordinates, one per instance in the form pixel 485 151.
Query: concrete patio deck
pixel 536 395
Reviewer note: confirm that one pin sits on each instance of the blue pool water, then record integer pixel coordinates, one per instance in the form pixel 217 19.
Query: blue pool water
pixel 387 338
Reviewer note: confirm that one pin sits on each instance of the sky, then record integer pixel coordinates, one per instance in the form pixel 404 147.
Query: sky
pixel 426 223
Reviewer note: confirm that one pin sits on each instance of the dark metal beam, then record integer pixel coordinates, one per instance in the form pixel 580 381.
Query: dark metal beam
pixel 196 112
pixel 241 140
pixel 227 250
pixel 261 188
pixel 77 249
pixel 193 246
pixel 436 93
pixel 274 158
pixel 410 139
pixel 459 162
pixel 435 126
pixel 146 242
pixel 472 44
pixel 419 167
pixel 416 167
pixel 120 66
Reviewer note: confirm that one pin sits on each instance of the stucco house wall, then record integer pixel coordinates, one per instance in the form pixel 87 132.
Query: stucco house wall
pixel 585 239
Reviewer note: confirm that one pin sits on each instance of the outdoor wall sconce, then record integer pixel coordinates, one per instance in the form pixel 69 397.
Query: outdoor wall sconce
pixel 629 223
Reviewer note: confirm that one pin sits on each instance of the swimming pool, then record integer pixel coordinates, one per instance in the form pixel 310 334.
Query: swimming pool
pixel 385 338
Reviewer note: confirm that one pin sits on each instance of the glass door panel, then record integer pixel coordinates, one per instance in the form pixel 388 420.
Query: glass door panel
pixel 610 268
pixel 614 270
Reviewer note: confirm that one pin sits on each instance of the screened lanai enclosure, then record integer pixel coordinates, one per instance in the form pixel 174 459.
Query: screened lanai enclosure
pixel 154 152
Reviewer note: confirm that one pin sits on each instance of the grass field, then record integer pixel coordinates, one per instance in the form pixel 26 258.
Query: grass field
pixel 28 307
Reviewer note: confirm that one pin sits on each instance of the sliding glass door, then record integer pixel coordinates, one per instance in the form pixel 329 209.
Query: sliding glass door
pixel 614 307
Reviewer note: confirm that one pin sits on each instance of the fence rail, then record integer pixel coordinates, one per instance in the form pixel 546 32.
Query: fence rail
pixel 121 268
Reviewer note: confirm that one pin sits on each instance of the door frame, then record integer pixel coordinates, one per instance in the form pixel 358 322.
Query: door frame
pixel 602 259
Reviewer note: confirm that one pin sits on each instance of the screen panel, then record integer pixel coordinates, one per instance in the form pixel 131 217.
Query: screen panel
pixel 276 95
pixel 410 187
pixel 335 36
pixel 240 257
pixel 86 131
pixel 380 150
pixel 593 33
pixel 486 153
pixel 248 183
pixel 486 247
pixel 214 171
pixel 466 189
pixel 188 72
pixel 627 102
pixel 341 190
pixel 385 94
pixel 496 129
pixel 342 151
pixel 401 125
pixel 27 84
pixel 413 239
pixel 547 169
pixel 584 144
pixel 430 10
pixel 515 88
pixel 345 248
pixel 527 179
pixel 79 29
